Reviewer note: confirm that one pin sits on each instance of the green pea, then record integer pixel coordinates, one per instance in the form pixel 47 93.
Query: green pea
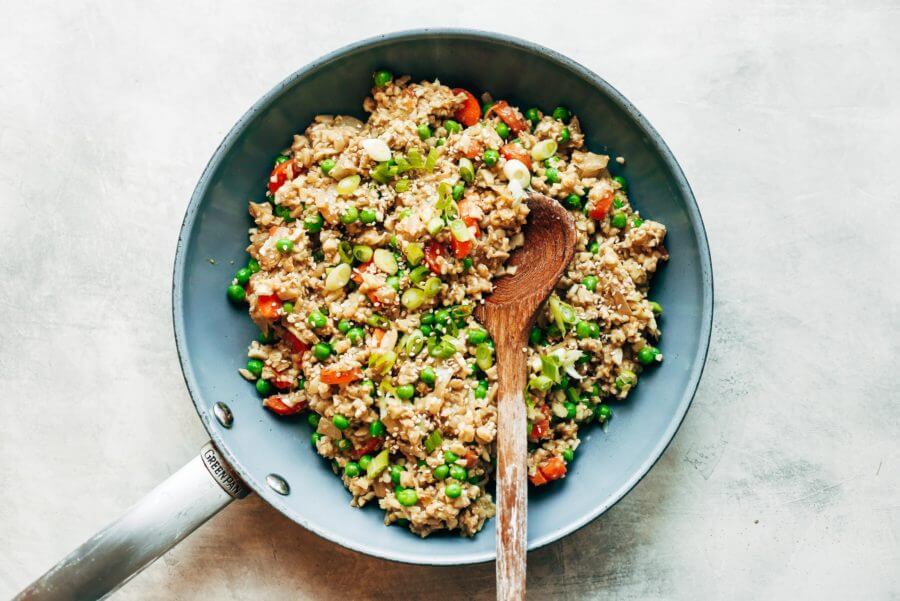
pixel 263 387
pixel 315 438
pixel 340 422
pixel 288 307
pixel 382 78
pixel 344 445
pixel 490 157
pixel 428 376
pixel 440 142
pixel 573 201
pixel 655 307
pixel 536 336
pixel 571 408
pixel 604 412
pixel 481 389
pixel 450 457
pixel 623 183
pixel 317 320
pixel 589 282
pixel 457 472
pixel 618 203
pixel 425 329
pixel 467 263
pixel 327 165
pixel 407 497
pixel 313 224
pixel 595 329
pixel 355 335
pixel 396 473
pixel 243 276
pixel 582 329
pixel 502 130
pixel 568 455
pixel 458 190
pixel 424 131
pixel 441 472
pixel 452 126
pixel 255 367
pixel 376 429
pixel 236 294
pixel 282 158
pixel 349 216
pixel 344 326
pixel 427 319
pixel 351 470
pixel 368 216
pixel 284 246
pixel 253 265
pixel 364 461
pixel 442 316
pixel 637 222
pixel 406 392
pixel 648 355
pixel 594 247
pixel 266 338
pixel 565 135
pixel 283 212
pixel 453 490
pixel 476 336
pixel 552 175
pixel 618 220
pixel 321 350
pixel 561 113
pixel 533 115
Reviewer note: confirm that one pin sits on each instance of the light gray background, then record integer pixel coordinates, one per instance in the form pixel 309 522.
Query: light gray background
pixel 783 481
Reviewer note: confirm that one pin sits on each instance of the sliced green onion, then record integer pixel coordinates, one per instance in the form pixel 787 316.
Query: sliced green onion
pixel 402 185
pixel 551 367
pixel 382 361
pixel 345 251
pixel 466 170
pixel 378 464
pixel 484 356
pixel 377 149
pixel 563 314
pixel 415 341
pixel 541 383
pixel 626 379
pixel 435 225
pixel 362 253
pixel 414 253
pixel 433 441
pixel 433 156
pixel 413 298
pixel 516 171
pixel 418 274
pixel 433 286
pixel 348 185
pixel 377 321
pixel 460 230
pixel 385 261
pixel 338 277
pixel 415 158
pixel 543 150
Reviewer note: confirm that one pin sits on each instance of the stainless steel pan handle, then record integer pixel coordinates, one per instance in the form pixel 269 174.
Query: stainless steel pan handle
pixel 170 512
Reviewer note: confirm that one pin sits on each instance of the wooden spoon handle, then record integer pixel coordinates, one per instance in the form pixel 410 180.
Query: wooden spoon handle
pixel 512 470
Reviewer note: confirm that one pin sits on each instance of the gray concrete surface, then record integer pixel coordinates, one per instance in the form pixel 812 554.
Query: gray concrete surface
pixel 783 482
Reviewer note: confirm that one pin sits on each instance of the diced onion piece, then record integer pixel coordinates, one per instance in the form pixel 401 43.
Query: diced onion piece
pixel 559 410
pixel 378 149
pixel 516 171
pixel 338 277
pixel 385 261
pixel 516 190
pixel 414 253
pixel 460 230
pixel 435 225
pixel 413 298
pixel 348 185
pixel 543 150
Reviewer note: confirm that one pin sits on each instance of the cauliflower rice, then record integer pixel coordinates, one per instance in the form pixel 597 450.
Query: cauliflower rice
pixel 373 245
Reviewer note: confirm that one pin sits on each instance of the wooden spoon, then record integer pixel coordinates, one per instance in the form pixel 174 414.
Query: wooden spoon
pixel 508 314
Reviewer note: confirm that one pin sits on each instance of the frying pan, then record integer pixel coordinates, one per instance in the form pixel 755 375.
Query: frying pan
pixel 253 450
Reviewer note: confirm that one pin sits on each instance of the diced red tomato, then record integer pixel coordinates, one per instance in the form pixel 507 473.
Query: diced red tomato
pixel 276 405
pixel 279 175
pixel 514 151
pixel 471 458
pixel 553 468
pixel 538 479
pixel 461 250
pixel 434 251
pixel 470 111
pixel 601 206
pixel 362 268
pixel 541 427
pixel 510 116
pixel 295 343
pixel 282 383
pixel 269 305
pixel 367 448
pixel 333 375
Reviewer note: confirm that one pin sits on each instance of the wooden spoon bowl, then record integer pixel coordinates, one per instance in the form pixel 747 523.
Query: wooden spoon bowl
pixel 508 314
